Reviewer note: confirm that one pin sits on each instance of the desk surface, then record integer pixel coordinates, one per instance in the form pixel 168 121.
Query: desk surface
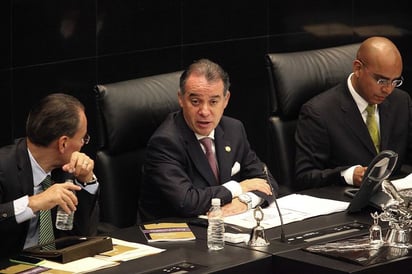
pixel 231 259
pixel 277 257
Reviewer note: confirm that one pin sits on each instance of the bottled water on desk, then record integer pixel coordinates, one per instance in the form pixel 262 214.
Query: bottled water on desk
pixel 216 227
pixel 64 221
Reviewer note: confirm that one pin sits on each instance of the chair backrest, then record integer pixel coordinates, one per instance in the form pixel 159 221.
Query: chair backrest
pixel 128 114
pixel 294 78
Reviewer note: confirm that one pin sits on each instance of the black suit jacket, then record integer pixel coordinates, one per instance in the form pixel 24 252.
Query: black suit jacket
pixel 178 181
pixel 331 135
pixel 16 180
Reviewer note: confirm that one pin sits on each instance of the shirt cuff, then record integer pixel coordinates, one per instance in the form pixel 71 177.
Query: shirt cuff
pixel 256 200
pixel 22 211
pixel 91 188
pixel 234 188
pixel 347 174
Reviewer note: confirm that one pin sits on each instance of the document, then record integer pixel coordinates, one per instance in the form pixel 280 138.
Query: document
pixel 79 266
pixel 122 251
pixel 125 251
pixel 403 183
pixel 159 232
pixel 293 207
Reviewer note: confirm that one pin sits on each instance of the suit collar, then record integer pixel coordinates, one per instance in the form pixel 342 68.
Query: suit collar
pixel 353 119
pixel 195 152
pixel 24 170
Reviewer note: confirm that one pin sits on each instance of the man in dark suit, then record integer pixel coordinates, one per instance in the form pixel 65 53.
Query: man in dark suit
pixel 333 137
pixel 178 179
pixel 56 130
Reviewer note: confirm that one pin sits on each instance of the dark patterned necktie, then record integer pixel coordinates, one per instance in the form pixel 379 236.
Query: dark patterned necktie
pixel 207 143
pixel 372 125
pixel 46 234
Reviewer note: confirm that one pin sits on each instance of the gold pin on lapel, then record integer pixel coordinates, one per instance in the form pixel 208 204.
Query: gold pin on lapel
pixel 227 148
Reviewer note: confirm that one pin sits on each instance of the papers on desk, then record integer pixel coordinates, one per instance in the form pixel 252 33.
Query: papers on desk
pixel 404 183
pixel 294 207
pixel 125 251
pixel 122 251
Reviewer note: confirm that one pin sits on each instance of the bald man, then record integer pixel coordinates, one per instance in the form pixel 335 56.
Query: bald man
pixel 334 144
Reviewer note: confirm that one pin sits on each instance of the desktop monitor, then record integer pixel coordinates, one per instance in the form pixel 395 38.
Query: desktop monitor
pixel 370 191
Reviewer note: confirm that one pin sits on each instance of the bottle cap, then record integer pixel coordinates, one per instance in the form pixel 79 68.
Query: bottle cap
pixel 216 201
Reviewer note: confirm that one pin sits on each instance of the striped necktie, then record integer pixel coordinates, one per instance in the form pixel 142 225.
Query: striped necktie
pixel 207 143
pixel 46 233
pixel 372 125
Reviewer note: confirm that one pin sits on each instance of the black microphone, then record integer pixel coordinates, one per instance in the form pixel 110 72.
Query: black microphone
pixel 282 231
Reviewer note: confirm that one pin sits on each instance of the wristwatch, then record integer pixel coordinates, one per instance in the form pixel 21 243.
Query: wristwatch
pixel 244 198
pixel 91 182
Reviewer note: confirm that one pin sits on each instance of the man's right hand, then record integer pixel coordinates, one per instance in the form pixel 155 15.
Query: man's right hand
pixel 358 175
pixel 256 184
pixel 57 194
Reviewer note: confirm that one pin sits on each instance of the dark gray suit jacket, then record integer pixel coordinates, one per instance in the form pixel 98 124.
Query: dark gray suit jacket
pixel 178 181
pixel 331 135
pixel 16 180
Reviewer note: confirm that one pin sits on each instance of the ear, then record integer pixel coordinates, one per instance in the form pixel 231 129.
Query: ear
pixel 357 65
pixel 62 143
pixel 227 98
pixel 180 98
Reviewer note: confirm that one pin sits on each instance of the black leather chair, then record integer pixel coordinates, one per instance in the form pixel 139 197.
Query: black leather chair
pixel 128 113
pixel 294 78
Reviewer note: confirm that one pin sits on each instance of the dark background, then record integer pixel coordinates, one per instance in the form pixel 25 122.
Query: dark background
pixel 69 46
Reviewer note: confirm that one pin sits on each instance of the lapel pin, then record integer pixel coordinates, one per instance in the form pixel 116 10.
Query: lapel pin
pixel 227 148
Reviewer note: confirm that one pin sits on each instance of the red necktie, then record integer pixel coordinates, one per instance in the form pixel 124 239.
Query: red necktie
pixel 207 143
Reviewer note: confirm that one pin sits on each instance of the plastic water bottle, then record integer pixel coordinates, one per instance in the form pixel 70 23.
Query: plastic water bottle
pixel 216 227
pixel 64 221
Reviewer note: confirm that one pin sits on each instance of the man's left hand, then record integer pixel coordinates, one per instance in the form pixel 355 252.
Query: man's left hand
pixel 81 166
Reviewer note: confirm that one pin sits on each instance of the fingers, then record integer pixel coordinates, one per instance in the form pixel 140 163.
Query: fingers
pixel 57 194
pixel 81 166
pixel 235 207
pixel 358 174
pixel 256 184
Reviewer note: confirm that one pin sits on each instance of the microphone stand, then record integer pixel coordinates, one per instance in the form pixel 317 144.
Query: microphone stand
pixel 282 231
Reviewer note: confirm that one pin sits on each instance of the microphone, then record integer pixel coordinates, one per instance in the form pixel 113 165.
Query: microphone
pixel 282 231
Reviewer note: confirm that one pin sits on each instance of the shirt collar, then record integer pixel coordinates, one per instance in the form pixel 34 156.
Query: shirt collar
pixel 211 135
pixel 360 102
pixel 38 173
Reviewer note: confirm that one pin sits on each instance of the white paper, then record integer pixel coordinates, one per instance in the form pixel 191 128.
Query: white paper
pixel 293 207
pixel 100 261
pixel 80 266
pixel 403 183
pixel 140 250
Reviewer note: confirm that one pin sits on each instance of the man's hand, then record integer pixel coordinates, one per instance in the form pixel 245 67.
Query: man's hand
pixel 235 207
pixel 358 175
pixel 81 166
pixel 57 194
pixel 256 184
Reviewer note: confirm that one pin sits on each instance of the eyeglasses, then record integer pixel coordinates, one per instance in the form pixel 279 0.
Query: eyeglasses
pixel 86 139
pixel 381 81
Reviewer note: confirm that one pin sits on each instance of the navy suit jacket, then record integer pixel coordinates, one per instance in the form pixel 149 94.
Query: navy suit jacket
pixel 178 181
pixel 331 135
pixel 16 180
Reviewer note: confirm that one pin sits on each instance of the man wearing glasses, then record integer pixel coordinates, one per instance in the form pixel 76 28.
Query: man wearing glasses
pixel 341 130
pixel 56 130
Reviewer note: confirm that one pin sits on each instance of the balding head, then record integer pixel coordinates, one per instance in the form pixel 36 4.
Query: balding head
pixel 380 53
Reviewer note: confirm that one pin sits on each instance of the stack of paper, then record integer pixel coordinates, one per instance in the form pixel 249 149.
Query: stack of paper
pixel 294 207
